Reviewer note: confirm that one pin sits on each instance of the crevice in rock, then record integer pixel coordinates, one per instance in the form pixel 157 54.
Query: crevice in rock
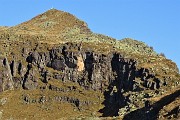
pixel 4 61
pixel 19 68
pixel 26 76
pixel 89 65
pixel 11 67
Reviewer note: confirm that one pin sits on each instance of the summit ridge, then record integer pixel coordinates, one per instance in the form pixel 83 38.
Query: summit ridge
pixel 50 22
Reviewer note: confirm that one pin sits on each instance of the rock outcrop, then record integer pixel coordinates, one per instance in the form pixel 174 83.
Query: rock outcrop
pixel 6 81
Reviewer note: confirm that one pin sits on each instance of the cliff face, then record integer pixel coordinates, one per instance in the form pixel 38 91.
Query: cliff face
pixel 69 69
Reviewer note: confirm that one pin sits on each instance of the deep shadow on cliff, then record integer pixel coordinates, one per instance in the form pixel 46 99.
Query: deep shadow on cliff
pixel 123 80
pixel 114 100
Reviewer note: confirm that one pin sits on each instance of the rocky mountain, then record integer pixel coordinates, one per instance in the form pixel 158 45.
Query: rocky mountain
pixel 54 67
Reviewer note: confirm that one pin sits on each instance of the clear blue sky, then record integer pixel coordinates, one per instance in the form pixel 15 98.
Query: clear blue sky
pixel 155 22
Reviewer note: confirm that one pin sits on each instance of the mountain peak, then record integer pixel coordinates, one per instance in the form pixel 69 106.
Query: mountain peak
pixel 54 10
pixel 52 21
pixel 51 13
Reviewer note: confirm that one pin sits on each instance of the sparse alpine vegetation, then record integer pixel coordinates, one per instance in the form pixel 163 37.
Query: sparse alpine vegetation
pixel 54 67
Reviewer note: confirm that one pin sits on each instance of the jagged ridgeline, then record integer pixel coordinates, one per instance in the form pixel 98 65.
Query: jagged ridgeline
pixel 54 67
